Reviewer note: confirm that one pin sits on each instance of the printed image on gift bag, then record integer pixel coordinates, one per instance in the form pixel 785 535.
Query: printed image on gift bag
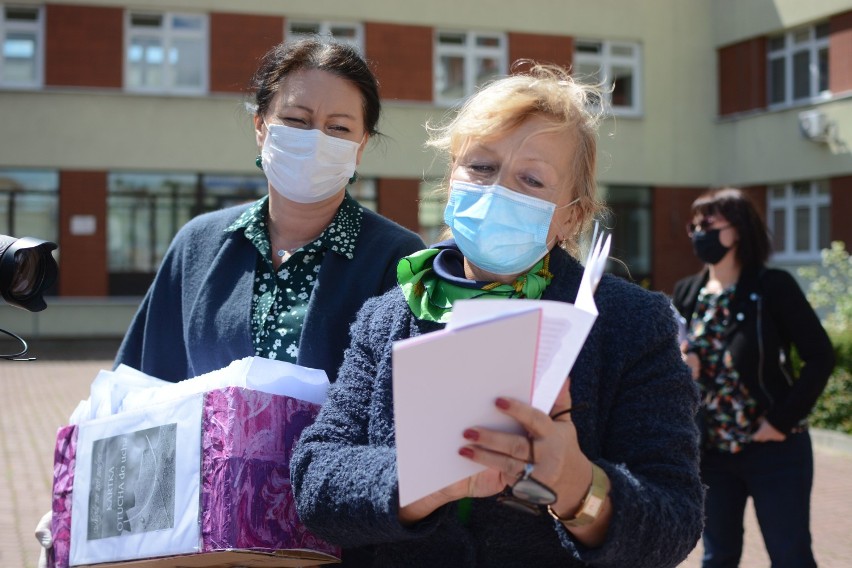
pixel 132 488
pixel 136 484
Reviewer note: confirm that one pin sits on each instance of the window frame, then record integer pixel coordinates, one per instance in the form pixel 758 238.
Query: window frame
pixel 469 53
pixel 630 218
pixel 167 34
pixel 788 204
pixel 787 53
pixel 605 61
pixel 149 208
pixel 325 27
pixel 38 28
pixel 145 196
pixel 29 188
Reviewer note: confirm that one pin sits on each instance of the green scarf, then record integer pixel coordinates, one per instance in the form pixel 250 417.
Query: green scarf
pixel 431 298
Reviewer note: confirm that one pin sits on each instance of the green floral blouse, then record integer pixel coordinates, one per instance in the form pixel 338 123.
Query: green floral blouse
pixel 280 298
pixel 730 411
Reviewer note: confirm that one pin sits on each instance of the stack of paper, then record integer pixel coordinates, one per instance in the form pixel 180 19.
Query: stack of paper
pixel 447 381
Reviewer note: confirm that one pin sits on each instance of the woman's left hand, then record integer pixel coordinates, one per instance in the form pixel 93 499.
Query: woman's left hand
pixel 766 432
pixel 550 446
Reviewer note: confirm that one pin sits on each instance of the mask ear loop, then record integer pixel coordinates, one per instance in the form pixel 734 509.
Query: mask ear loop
pixel 258 161
pixel 557 239
pixel 364 140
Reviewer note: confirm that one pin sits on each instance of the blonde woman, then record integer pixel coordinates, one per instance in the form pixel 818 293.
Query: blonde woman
pixel 522 150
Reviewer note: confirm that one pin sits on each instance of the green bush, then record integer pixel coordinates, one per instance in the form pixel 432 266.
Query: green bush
pixel 833 410
pixel 831 287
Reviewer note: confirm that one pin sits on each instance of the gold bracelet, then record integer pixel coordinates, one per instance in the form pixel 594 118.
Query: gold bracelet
pixel 592 502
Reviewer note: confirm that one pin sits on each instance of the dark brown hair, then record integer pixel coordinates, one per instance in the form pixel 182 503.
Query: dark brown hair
pixel 322 54
pixel 753 248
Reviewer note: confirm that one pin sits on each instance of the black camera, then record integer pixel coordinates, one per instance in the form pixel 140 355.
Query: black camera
pixel 27 269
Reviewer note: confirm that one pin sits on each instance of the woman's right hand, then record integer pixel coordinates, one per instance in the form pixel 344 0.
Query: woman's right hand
pixel 482 484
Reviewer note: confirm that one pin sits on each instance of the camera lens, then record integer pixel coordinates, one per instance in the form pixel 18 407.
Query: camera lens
pixel 26 274
pixel 27 269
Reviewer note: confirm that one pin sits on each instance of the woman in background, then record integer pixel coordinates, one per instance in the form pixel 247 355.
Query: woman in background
pixel 742 320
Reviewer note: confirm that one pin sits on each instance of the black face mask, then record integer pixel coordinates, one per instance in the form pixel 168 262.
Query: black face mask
pixel 707 246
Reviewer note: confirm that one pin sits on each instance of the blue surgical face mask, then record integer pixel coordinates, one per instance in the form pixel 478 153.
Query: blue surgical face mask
pixel 497 229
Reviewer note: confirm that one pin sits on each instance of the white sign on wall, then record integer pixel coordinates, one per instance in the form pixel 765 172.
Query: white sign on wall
pixel 82 225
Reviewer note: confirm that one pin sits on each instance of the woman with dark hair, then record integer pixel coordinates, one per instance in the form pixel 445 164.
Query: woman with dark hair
pixel 742 320
pixel 282 277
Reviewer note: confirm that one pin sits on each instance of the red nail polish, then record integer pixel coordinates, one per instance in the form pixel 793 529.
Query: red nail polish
pixel 502 403
pixel 471 434
pixel 466 452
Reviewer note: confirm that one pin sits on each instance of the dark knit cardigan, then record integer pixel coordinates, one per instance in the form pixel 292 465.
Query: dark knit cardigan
pixel 637 423
pixel 196 316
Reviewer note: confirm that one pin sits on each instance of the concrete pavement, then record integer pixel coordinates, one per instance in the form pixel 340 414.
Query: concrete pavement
pixel 38 397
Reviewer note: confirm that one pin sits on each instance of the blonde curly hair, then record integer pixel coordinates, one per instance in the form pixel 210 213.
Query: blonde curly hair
pixel 504 104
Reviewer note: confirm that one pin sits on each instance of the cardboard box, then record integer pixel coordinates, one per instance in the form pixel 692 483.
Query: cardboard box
pixel 203 481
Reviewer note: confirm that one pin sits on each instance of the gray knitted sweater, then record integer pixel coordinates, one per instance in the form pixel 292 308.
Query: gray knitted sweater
pixel 637 424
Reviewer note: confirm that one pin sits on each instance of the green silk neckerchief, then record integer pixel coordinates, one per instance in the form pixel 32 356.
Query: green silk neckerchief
pixel 431 297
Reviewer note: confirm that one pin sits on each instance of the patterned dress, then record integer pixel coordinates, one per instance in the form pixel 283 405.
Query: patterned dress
pixel 281 297
pixel 730 416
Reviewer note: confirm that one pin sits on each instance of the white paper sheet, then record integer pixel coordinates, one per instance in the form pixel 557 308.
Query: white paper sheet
pixel 563 331
pixel 447 381
pixel 564 326
pixel 136 484
pixel 595 265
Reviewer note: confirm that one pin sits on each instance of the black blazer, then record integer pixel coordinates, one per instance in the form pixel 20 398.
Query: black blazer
pixel 770 313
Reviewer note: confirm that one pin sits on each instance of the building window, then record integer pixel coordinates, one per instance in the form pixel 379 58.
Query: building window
pixel 617 67
pixel 466 60
pixel 430 213
pixel 220 191
pixel 799 220
pixel 798 65
pixel 29 204
pixel 166 53
pixel 145 211
pixel 352 34
pixel 630 225
pixel 22 39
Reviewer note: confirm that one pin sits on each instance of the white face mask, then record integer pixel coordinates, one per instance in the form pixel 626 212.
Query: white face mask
pixel 307 166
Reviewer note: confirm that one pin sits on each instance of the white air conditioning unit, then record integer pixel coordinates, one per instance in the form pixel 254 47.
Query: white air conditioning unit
pixel 814 125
